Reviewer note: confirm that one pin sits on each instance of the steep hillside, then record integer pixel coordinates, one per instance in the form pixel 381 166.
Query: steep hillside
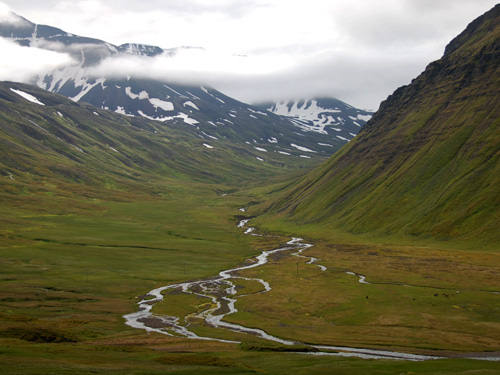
pixel 43 135
pixel 427 163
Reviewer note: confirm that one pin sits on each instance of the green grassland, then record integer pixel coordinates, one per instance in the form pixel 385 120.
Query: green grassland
pixel 69 274
pixel 423 299
pixel 97 210
pixel 75 257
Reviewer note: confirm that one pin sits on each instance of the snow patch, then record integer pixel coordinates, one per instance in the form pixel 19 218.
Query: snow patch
pixel 187 119
pixel 209 136
pixel 284 153
pixel 121 111
pixel 308 115
pixel 260 149
pixel 207 145
pixel 325 144
pixel 174 91
pixel 191 104
pixel 272 140
pixel 27 96
pixel 158 103
pixel 301 148
pixel 192 95
pixel 212 95
pixel 86 88
pixel 257 112
pixel 340 137
pixel 364 117
pixel 141 96
pixel 161 119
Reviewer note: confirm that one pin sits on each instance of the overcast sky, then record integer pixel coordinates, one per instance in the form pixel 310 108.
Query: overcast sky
pixel 357 50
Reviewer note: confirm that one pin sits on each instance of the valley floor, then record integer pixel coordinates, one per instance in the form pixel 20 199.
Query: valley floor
pixel 72 266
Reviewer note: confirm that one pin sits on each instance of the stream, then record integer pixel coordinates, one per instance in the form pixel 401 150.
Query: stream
pixel 222 292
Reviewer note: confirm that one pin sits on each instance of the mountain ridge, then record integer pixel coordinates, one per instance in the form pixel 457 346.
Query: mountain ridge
pixel 215 115
pixel 427 163
pixel 319 114
pixel 47 136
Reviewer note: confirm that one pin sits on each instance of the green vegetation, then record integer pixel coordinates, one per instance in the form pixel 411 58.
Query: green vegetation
pixel 426 167
pixel 68 143
pixel 72 266
pixel 97 210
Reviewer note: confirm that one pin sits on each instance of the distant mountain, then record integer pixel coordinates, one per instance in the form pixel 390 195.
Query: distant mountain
pixel 45 136
pixel 428 163
pixel 214 115
pixel 322 115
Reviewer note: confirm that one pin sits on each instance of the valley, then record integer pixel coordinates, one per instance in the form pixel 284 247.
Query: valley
pixel 154 227
pixel 225 290
pixel 83 267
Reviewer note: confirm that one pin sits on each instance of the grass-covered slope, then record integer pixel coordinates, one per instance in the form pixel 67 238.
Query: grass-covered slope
pixel 427 164
pixel 77 143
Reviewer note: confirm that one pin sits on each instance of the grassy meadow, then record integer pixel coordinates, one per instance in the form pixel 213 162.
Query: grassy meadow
pixel 73 264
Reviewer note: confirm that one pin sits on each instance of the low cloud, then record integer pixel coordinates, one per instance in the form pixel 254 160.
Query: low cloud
pixel 360 78
pixel 6 15
pixel 23 64
pixel 359 51
pixel 192 65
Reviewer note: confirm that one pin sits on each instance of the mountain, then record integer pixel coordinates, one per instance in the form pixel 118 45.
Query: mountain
pixel 47 137
pixel 322 115
pixel 427 163
pixel 214 115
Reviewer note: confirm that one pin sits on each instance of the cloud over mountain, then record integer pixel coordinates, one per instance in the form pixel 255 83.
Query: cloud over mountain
pixel 338 48
pixel 22 64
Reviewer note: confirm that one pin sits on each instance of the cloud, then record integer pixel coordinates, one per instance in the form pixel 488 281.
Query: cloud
pixel 4 10
pixel 23 64
pixel 361 80
pixel 359 77
pixel 398 22
pixel 358 50
pixel 7 16
pixel 191 65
